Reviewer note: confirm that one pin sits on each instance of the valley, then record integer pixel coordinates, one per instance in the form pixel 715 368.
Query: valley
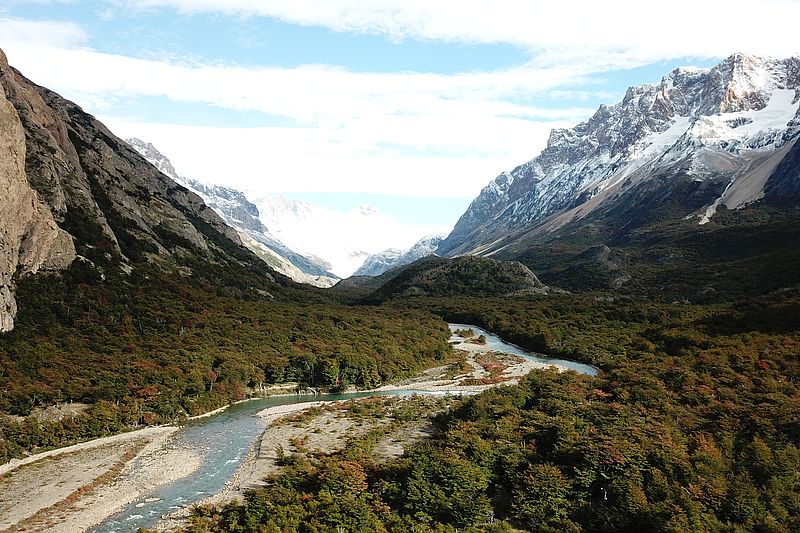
pixel 145 471
pixel 608 340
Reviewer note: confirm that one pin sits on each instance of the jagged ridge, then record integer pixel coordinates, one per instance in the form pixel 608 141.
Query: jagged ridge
pixel 377 264
pixel 715 125
pixel 241 214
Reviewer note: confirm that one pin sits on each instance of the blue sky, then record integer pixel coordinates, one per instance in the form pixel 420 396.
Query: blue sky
pixel 409 106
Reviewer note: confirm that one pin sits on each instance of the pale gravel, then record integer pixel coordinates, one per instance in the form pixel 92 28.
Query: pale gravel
pixel 159 463
pixel 52 476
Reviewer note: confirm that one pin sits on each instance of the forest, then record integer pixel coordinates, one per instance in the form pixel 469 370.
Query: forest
pixel 154 347
pixel 693 425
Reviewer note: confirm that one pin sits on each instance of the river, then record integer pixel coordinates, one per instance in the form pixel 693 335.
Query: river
pixel 224 439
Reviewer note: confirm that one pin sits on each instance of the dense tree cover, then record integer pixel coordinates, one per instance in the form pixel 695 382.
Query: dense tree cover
pixel 154 346
pixel 466 275
pixel 694 425
pixel 738 254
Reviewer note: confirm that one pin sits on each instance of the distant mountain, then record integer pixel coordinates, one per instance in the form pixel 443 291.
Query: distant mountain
pixel 377 264
pixel 704 137
pixel 340 240
pixel 234 207
pixel 646 185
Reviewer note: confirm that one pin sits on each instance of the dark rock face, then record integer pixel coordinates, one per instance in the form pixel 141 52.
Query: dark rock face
pixel 699 123
pixel 783 187
pixel 112 206
pixel 82 169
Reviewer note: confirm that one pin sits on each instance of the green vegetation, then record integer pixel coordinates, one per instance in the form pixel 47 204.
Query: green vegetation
pixel 738 254
pixel 694 425
pixel 153 347
pixel 467 275
pixel 326 492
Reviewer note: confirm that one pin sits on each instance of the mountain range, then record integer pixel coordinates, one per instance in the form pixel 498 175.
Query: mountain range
pixel 645 181
pixel 718 134
pixel 303 240
pixel 242 215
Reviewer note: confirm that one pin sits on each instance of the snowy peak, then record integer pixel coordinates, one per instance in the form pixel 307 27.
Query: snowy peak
pixel 230 204
pixel 243 215
pixel 377 264
pixel 743 83
pixel 712 124
pixel 154 157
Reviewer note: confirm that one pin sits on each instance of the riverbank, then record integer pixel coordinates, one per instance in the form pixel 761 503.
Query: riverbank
pixel 479 369
pixel 312 429
pixel 73 488
pixel 328 433
pixel 86 483
pixel 482 368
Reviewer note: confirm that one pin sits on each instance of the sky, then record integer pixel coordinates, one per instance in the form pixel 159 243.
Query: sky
pixel 408 105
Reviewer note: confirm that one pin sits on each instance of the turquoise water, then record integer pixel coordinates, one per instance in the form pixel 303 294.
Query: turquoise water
pixel 495 343
pixel 223 440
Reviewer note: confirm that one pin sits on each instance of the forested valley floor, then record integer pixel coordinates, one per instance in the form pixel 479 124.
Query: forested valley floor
pixel 692 425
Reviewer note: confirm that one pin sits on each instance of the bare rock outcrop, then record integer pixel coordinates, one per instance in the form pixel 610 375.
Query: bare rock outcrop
pixel 30 239
pixel 70 188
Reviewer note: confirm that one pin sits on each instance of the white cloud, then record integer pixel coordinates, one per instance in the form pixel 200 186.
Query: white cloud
pixel 321 160
pixel 392 133
pixel 587 31
pixel 42 33
pixel 344 239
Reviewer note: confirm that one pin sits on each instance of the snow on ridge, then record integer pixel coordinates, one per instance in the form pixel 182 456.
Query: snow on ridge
pixel 377 264
pixel 742 104
pixel 344 240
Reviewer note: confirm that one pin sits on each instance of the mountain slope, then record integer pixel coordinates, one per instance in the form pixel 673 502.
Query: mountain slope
pixel 717 133
pixel 462 276
pixel 137 303
pixel 241 214
pixel 87 184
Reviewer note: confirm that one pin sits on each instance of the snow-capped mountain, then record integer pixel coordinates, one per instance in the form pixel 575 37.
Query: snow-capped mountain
pixel 242 215
pixel 718 133
pixel 377 264
pixel 340 240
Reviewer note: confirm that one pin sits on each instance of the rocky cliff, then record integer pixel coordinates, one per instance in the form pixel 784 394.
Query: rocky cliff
pixel 72 188
pixel 30 240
